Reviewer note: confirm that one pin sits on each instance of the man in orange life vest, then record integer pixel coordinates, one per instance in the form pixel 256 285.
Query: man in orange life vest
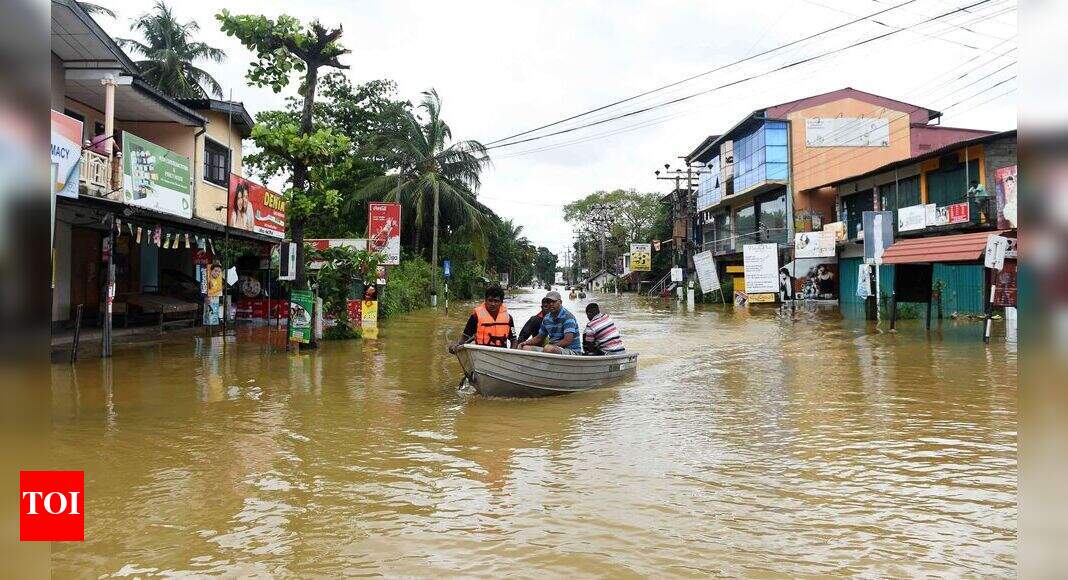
pixel 489 324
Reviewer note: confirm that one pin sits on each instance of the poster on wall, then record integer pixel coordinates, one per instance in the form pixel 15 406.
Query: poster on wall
pixel 878 234
pixel 155 178
pixel 707 275
pixel 761 268
pixel 936 216
pixel 384 230
pixel 1005 190
pixel 301 308
pixel 641 257
pixel 912 218
pixel 812 278
pixel 66 154
pixel 255 208
pixel 814 244
pixel 847 132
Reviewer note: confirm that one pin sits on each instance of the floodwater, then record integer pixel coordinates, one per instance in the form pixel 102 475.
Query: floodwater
pixel 751 443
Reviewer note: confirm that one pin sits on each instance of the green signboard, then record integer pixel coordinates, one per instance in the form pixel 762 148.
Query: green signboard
pixel 301 309
pixel 155 178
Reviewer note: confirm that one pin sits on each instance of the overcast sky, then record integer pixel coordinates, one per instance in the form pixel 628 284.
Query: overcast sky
pixel 502 67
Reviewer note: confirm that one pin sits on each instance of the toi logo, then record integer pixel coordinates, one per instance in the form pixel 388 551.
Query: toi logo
pixel 51 506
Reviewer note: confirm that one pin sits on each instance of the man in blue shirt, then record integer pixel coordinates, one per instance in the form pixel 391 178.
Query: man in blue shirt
pixel 559 330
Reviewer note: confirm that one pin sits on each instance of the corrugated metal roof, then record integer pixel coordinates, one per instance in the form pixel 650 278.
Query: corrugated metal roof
pixel 955 248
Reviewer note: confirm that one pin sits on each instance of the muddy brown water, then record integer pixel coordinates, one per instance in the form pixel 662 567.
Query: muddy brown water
pixel 749 444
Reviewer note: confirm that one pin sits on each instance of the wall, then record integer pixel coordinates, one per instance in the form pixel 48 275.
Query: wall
pixel 816 166
pixel 58 84
pixel 209 196
pixel 1000 153
pixel 61 272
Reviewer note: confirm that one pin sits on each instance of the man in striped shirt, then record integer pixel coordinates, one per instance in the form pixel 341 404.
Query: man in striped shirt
pixel 601 336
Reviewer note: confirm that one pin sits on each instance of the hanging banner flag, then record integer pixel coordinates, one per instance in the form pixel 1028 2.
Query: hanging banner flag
pixel 156 178
pixel 255 208
pixel 760 264
pixel 383 230
pixel 301 307
pixel 641 257
pixel 66 153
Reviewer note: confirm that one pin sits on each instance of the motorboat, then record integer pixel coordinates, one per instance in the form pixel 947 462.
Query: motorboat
pixel 502 372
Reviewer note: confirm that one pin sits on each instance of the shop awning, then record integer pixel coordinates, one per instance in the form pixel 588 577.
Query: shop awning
pixel 955 248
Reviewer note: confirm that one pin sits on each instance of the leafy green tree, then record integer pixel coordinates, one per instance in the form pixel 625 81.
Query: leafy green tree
pixel 170 52
pixel 283 46
pixel 431 173
pixel 617 217
pixel 545 265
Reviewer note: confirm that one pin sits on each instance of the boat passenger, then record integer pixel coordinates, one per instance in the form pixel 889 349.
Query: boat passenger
pixel 559 330
pixel 601 336
pixel 534 323
pixel 489 323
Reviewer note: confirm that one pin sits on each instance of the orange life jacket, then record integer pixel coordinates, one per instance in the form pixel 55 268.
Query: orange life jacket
pixel 490 331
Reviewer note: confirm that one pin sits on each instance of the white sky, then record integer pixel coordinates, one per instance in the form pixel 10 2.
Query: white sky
pixel 502 67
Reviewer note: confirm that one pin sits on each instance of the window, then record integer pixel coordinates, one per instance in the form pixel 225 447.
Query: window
pixel 216 163
pixel 761 155
pixel 950 185
pixel 902 193
pixel 772 217
pixel 855 206
pixel 745 223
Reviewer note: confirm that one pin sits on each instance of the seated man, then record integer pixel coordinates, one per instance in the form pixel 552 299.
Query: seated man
pixel 489 323
pixel 533 324
pixel 601 336
pixel 559 330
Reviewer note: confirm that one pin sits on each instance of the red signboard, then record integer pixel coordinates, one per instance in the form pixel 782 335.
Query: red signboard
pixel 255 208
pixel 958 213
pixel 1005 285
pixel 383 230
pixel 52 506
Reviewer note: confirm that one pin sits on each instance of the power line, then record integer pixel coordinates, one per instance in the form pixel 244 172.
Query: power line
pixel 735 82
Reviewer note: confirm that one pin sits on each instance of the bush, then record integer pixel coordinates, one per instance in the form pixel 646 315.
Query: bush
pixel 408 288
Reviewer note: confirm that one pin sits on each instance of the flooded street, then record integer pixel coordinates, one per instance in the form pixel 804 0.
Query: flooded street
pixel 749 444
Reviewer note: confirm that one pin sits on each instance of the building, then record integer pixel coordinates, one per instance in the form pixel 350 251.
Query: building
pixel 764 179
pixel 165 201
pixel 603 281
pixel 944 204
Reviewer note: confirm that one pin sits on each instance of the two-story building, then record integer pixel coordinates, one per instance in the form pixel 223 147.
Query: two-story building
pixel 762 180
pixel 165 200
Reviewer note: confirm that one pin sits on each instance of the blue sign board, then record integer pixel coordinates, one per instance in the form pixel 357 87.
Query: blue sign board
pixel 448 268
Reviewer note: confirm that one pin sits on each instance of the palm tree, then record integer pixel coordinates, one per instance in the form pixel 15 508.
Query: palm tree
pixel 170 51
pixel 94 9
pixel 432 170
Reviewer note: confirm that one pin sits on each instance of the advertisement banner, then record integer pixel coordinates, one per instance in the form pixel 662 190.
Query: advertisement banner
pixel 707 275
pixel 641 257
pixel 155 178
pixel 369 319
pixel 761 268
pixel 814 245
pixel 847 132
pixel 66 153
pixel 935 216
pixel 1005 190
pixel 1005 285
pixel 324 243
pixel 839 229
pixel 301 308
pixel 912 218
pixel 383 230
pixel 958 213
pixel 761 298
pixel 816 279
pixel 878 234
pixel 255 208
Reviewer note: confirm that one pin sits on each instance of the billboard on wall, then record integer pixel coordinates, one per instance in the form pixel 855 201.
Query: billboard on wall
pixel 761 268
pixel 66 153
pixel 814 244
pixel 911 218
pixel 641 257
pixel 1005 190
pixel 847 132
pixel 324 243
pixel 255 208
pixel 383 230
pixel 811 279
pixel 156 178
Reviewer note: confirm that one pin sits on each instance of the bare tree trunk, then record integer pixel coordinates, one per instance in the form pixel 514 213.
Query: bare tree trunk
pixel 434 248
pixel 300 172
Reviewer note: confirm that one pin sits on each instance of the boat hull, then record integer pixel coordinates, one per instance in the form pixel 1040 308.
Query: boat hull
pixel 498 372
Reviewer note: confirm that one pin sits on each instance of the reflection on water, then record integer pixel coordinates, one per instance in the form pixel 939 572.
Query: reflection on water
pixel 751 442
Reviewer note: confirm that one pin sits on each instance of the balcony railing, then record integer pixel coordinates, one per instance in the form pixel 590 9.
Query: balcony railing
pixel 95 172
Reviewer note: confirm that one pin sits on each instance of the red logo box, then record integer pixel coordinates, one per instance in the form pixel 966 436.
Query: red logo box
pixel 52 506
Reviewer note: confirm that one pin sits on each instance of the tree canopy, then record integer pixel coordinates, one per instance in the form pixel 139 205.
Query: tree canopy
pixel 169 52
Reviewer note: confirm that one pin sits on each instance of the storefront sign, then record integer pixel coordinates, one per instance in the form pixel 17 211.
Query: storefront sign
pixel 1005 189
pixel 912 218
pixel 761 298
pixel 958 213
pixel 936 216
pixel 994 257
pixel 814 245
pixel 322 244
pixel 255 208
pixel 641 257
pixel 301 309
pixel 707 274
pixel 66 154
pixel 761 264
pixel 878 234
pixel 383 230
pixel 155 178
pixel 1005 285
